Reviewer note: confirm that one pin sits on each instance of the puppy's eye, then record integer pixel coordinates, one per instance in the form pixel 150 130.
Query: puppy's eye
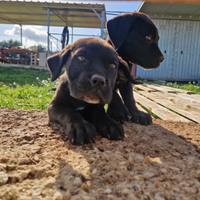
pixel 81 58
pixel 113 66
pixel 148 38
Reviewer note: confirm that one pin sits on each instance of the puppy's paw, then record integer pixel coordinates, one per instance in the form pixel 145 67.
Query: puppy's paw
pixel 121 114
pixel 110 129
pixel 142 118
pixel 81 133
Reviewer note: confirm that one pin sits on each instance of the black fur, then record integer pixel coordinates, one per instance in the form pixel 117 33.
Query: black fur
pixel 91 69
pixel 135 38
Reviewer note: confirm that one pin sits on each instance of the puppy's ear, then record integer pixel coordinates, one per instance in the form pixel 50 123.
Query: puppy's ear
pixel 118 28
pixel 124 73
pixel 57 61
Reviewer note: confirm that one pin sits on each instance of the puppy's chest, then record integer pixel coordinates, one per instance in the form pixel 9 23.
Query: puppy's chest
pixel 80 108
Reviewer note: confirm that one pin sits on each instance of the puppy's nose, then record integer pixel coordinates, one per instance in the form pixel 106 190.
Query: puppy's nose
pixel 98 80
pixel 161 59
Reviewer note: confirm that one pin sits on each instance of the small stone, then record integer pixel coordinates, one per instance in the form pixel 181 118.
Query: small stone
pixel 85 187
pixel 28 137
pixel 36 158
pixel 91 160
pixel 3 178
pixel 35 198
pixel 148 175
pixel 35 149
pixel 24 198
pixel 24 161
pixel 158 197
pixel 94 171
pixel 11 167
pixel 139 157
pixel 107 191
pixel 84 197
pixel 36 191
pixel 2 167
pixel 57 196
pixel 163 170
pixel 23 175
pixel 125 192
pixel 138 178
pixel 50 183
pixel 66 195
pixel 111 197
pixel 77 182
pixel 4 159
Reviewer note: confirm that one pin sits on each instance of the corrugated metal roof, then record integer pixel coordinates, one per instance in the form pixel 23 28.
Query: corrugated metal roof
pixel 35 13
pixel 171 11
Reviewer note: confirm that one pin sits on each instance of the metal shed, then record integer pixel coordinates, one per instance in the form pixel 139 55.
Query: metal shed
pixel 53 14
pixel 179 30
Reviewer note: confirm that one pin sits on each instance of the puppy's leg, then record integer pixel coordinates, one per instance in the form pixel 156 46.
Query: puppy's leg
pixel 117 110
pixel 106 126
pixel 126 91
pixel 79 131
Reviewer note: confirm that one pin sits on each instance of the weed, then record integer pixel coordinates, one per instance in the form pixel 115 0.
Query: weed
pixel 25 88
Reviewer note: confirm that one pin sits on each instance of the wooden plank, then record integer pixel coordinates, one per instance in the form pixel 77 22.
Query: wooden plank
pixel 142 109
pixel 160 111
pixel 187 98
pixel 177 107
pixel 146 89
pixel 159 1
pixel 192 98
pixel 158 87
pixel 175 89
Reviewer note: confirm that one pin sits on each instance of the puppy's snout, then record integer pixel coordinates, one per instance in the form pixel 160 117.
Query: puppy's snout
pixel 161 59
pixel 98 80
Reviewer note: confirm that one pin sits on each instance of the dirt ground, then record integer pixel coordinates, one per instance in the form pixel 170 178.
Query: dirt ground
pixel 160 161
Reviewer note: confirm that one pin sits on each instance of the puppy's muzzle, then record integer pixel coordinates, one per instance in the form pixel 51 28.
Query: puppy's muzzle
pixel 98 81
pixel 161 59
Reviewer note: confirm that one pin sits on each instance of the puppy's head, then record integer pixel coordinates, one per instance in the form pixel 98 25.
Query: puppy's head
pixel 91 69
pixel 135 37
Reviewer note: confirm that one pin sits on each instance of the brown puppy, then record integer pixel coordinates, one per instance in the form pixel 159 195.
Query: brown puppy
pixel 135 38
pixel 91 69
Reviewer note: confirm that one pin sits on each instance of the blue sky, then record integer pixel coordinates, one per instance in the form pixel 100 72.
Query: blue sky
pixel 37 34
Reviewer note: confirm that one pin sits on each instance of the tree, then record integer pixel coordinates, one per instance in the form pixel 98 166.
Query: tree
pixel 10 43
pixel 38 48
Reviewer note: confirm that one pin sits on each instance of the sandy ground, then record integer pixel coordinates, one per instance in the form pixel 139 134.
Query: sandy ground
pixel 160 161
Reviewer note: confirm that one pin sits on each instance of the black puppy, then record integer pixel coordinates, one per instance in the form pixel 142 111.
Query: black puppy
pixel 135 38
pixel 91 69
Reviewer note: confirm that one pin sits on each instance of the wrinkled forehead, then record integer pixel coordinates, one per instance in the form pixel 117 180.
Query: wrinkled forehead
pixel 146 26
pixel 92 47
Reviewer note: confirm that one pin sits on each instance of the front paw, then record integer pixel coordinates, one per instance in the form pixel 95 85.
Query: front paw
pixel 81 132
pixel 121 114
pixel 142 118
pixel 110 129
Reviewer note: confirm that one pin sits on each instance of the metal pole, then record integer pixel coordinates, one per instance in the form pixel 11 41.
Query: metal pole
pixel 102 22
pixel 21 33
pixel 48 35
pixel 72 36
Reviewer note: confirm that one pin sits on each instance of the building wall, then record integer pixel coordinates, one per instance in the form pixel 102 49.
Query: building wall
pixel 180 45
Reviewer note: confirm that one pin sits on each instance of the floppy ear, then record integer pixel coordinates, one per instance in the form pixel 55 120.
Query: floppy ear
pixel 124 73
pixel 57 61
pixel 118 28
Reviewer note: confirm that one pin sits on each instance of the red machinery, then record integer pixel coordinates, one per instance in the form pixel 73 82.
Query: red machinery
pixel 17 55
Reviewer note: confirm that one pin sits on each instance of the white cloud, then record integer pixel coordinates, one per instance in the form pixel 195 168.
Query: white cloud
pixel 31 34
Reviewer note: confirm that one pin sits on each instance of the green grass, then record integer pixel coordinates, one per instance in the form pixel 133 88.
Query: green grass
pixel 25 88
pixel 30 88
pixel 190 86
pixel 194 87
pixel 22 76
